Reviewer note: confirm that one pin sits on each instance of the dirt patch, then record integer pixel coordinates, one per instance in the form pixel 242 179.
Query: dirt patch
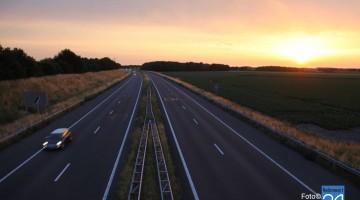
pixel 351 135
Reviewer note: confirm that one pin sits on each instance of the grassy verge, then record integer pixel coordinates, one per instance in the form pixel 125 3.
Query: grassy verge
pixel 63 91
pixel 150 187
pixel 348 153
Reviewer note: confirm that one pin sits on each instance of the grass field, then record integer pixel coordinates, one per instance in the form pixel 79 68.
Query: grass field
pixel 329 100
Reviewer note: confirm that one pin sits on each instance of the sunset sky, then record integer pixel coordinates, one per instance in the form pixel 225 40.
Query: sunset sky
pixel 306 33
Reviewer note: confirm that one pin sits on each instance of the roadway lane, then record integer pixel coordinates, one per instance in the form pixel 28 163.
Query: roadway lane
pixel 228 159
pixel 83 169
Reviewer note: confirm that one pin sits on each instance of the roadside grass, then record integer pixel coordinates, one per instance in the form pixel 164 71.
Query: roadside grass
pixel 345 152
pixel 63 90
pixel 150 187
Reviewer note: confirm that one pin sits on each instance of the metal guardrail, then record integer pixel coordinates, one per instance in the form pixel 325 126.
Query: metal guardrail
pixel 12 135
pixel 302 145
pixel 163 177
pixel 136 181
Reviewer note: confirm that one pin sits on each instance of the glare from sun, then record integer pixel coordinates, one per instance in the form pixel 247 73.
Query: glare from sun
pixel 302 49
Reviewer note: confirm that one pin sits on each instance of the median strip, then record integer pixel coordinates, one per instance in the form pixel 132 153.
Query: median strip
pixel 150 188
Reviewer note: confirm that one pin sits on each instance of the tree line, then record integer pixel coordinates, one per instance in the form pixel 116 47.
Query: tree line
pixel 177 66
pixel 15 64
pixel 293 69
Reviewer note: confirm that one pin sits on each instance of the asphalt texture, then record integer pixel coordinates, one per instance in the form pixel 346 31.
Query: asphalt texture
pixel 88 166
pixel 224 158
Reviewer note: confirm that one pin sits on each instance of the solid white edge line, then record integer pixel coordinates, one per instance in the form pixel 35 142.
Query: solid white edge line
pixel 97 129
pixel 36 153
pixel 62 172
pixel 18 167
pixel 99 104
pixel 106 193
pixel 196 197
pixel 218 148
pixel 251 144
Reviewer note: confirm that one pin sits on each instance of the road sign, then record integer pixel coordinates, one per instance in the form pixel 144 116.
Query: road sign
pixel 35 99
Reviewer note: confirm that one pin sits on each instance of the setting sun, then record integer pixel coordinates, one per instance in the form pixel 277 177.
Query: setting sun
pixel 302 49
pixel 233 32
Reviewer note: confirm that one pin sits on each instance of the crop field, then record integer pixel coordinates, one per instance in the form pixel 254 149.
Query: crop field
pixel 329 100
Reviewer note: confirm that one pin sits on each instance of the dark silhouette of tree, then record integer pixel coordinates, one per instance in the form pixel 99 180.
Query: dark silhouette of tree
pixel 50 67
pixel 15 64
pixel 280 69
pixel 176 66
pixel 327 70
pixel 69 61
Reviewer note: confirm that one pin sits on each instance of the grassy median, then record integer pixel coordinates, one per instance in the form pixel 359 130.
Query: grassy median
pixel 150 187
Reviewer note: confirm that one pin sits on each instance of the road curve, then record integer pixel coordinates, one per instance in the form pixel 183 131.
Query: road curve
pixel 225 158
pixel 85 168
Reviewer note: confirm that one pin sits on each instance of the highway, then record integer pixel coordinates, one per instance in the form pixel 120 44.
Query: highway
pixel 224 158
pixel 84 169
pixel 217 156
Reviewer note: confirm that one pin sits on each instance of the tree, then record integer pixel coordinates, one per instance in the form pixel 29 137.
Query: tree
pixel 189 66
pixel 69 61
pixel 15 63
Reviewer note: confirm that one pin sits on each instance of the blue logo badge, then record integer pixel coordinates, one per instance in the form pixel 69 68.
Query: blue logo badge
pixel 333 192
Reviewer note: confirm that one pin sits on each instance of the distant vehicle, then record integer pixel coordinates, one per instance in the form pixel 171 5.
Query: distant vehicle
pixel 58 138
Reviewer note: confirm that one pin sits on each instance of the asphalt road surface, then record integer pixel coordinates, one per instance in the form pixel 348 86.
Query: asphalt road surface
pixel 224 158
pixel 84 169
